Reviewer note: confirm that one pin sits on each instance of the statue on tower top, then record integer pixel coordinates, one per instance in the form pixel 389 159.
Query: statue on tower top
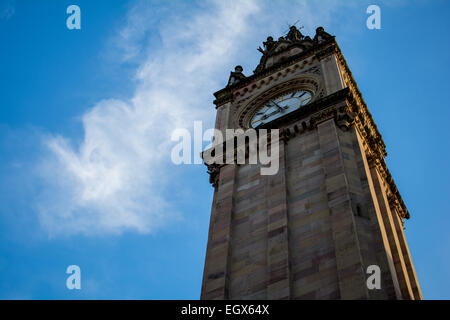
pixel 268 45
pixel 294 34
pixel 292 43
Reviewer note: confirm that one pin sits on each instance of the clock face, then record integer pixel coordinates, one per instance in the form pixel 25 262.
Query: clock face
pixel 280 106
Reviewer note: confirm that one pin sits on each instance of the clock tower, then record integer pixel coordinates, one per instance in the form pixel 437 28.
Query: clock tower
pixel 329 223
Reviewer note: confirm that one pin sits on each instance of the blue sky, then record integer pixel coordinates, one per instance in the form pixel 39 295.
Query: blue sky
pixel 86 117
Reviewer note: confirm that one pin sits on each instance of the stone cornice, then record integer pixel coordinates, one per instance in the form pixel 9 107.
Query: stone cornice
pixel 394 197
pixel 331 106
pixel 309 109
pixel 375 147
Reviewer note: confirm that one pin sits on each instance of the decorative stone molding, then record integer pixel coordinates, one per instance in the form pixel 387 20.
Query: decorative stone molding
pixel 294 43
pixel 223 99
pixel 314 70
pixel 373 143
pixel 326 52
pixel 214 171
pixel 394 197
pixel 295 62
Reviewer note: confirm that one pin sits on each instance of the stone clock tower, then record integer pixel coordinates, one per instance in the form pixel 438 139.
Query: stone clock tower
pixel 332 215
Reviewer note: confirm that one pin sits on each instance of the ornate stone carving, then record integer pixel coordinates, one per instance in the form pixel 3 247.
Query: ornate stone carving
pixel 321 35
pixel 214 171
pixel 294 34
pixel 293 43
pixel 307 50
pixel 236 76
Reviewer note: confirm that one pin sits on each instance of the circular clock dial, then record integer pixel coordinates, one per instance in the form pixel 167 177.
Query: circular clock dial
pixel 280 106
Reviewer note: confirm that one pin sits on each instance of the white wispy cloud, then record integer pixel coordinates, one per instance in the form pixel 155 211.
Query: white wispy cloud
pixel 114 179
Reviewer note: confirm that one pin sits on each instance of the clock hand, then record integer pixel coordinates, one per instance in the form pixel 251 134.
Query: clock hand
pixel 280 107
pixel 276 104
